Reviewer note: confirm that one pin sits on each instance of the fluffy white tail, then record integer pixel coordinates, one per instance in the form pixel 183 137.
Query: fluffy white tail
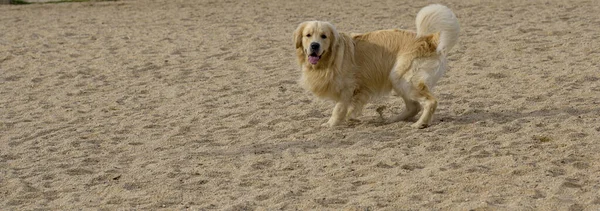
pixel 438 18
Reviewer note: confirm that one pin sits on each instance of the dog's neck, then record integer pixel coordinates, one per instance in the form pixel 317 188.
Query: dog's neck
pixel 321 66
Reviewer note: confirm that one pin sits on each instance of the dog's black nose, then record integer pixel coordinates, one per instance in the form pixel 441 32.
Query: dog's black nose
pixel 314 46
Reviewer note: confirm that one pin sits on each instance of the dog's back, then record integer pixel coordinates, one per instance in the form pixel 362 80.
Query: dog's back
pixel 377 52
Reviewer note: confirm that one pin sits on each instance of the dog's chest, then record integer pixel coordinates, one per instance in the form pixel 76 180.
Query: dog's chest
pixel 316 82
pixel 325 84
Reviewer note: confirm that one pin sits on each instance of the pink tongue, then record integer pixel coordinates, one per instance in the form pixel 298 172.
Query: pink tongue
pixel 313 59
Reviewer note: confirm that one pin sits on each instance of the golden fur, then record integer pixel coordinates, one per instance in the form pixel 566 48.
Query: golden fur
pixel 351 70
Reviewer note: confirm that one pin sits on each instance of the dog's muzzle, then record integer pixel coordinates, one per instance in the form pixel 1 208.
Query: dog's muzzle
pixel 314 56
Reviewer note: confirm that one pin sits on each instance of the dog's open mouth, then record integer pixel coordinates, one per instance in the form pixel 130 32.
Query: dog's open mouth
pixel 313 58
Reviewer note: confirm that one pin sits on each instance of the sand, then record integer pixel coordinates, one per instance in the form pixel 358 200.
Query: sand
pixel 156 104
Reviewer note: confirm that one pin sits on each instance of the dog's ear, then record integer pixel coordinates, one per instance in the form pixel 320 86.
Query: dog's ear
pixel 298 34
pixel 334 35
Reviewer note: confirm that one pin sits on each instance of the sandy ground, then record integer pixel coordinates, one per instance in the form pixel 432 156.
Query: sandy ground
pixel 195 105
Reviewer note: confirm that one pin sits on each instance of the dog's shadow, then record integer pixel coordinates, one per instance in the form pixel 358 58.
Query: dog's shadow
pixel 478 115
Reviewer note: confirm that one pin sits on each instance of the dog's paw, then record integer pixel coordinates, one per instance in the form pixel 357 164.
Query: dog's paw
pixel 326 124
pixel 330 124
pixel 419 125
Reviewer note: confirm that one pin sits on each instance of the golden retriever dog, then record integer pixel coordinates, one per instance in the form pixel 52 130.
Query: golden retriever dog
pixel 353 69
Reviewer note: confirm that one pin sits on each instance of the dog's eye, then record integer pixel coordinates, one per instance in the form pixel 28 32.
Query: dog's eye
pixel 324 36
pixel 308 35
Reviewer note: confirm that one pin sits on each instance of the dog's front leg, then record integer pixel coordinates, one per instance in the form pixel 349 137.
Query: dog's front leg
pixel 339 114
pixel 340 111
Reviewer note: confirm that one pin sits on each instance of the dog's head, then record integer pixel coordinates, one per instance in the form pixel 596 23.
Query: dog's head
pixel 315 41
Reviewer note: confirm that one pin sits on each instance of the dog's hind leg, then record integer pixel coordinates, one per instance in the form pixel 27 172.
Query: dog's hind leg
pixel 429 105
pixel 400 79
pixel 412 106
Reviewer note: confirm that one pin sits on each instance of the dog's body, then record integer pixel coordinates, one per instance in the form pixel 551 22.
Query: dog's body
pixel 351 70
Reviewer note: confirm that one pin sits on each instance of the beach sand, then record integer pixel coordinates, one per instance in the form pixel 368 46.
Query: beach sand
pixel 156 104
